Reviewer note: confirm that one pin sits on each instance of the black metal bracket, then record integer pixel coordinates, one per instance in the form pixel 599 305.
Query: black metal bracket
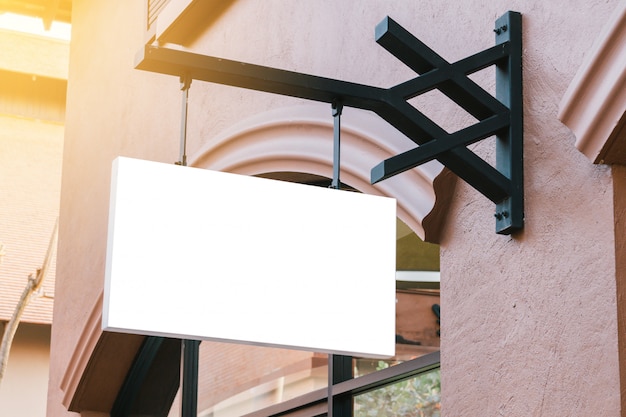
pixel 500 116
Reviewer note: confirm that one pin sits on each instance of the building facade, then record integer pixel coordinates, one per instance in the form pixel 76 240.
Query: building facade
pixel 33 79
pixel 531 322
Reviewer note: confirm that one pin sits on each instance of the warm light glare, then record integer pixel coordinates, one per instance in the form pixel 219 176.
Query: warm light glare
pixel 33 25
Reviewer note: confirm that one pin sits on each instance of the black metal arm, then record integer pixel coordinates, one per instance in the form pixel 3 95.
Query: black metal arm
pixel 500 116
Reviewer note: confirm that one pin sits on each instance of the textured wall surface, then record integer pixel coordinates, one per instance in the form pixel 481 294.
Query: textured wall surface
pixel 529 321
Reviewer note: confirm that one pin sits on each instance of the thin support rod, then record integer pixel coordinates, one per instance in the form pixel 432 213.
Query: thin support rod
pixel 337 109
pixel 185 83
pixel 190 348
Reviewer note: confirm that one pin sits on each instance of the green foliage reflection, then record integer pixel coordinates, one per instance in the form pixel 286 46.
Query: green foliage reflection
pixel 419 396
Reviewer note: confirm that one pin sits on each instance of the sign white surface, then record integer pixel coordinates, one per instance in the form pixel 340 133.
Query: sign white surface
pixel 201 254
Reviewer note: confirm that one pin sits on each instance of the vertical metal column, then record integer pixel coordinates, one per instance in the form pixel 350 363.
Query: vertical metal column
pixel 337 108
pixel 339 370
pixel 189 406
pixel 510 142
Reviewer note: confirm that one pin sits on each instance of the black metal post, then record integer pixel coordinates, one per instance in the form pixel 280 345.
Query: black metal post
pixel 510 142
pixel 189 403
pixel 339 370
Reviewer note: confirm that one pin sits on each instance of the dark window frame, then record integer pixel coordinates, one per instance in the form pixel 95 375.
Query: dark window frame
pixel 314 403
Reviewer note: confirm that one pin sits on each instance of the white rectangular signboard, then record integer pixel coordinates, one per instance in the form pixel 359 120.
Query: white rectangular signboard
pixel 201 254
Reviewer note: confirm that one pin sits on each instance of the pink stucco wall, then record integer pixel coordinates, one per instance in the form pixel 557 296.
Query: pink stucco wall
pixel 529 322
pixel 111 110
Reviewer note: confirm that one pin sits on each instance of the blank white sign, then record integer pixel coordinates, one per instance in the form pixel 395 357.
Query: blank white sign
pixel 201 254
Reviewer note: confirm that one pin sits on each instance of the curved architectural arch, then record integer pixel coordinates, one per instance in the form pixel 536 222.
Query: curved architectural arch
pixel 300 139
pixel 594 105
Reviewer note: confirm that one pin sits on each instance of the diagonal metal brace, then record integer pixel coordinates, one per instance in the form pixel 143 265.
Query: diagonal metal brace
pixel 500 184
pixel 431 150
pixel 500 116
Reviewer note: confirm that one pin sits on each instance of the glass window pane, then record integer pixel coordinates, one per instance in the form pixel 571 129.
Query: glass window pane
pixel 419 396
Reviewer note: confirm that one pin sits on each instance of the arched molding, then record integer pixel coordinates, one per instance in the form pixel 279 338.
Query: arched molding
pixel 300 139
pixel 594 105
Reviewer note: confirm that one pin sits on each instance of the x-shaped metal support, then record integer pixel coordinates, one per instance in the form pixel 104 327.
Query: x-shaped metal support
pixel 501 115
